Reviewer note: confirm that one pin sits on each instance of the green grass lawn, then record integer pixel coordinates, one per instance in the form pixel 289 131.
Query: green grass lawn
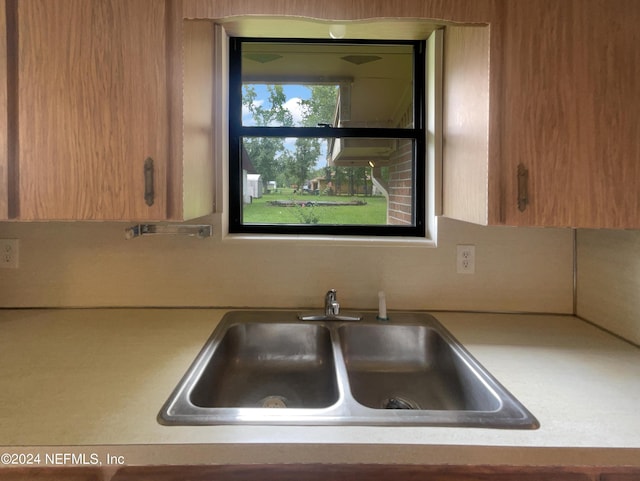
pixel 260 212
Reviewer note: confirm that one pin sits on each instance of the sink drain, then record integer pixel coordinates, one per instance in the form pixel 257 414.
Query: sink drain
pixel 398 403
pixel 273 402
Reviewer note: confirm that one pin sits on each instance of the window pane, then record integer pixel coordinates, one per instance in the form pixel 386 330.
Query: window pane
pixel 343 85
pixel 348 181
pixel 288 105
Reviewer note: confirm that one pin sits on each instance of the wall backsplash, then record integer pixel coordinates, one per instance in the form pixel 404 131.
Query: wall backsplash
pixel 608 280
pixel 92 265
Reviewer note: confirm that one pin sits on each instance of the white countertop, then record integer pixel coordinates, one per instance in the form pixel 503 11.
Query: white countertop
pixel 95 379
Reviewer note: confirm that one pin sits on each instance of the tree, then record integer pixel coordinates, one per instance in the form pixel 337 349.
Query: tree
pixel 320 108
pixel 266 156
pixel 276 114
pixel 304 158
pixel 265 152
pixel 270 155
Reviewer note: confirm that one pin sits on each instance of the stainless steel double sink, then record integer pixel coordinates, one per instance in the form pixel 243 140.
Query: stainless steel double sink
pixel 268 367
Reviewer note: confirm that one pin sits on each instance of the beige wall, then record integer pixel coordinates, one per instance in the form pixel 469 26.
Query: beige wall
pixel 608 280
pixel 91 264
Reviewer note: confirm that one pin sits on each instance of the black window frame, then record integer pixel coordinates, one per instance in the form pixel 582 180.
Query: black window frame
pixel 417 134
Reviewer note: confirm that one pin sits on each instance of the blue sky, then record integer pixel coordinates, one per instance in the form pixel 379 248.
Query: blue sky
pixel 294 93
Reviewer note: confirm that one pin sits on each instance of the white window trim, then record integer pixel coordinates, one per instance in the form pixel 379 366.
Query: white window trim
pixel 433 171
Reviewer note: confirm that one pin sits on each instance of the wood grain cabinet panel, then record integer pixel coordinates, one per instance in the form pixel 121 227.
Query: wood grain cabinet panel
pixel 93 106
pixel 628 476
pixel 99 90
pixel 99 112
pixel 571 87
pixel 51 474
pixel 4 158
pixel 562 138
pixel 327 472
pixel 466 95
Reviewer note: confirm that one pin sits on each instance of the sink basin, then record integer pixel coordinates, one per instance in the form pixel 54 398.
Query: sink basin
pixel 268 367
pixel 410 367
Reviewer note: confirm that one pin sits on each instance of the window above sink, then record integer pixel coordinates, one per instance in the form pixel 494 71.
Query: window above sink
pixel 412 222
pixel 327 137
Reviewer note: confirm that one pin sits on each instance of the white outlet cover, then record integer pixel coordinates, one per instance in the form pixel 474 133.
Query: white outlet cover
pixel 466 259
pixel 9 253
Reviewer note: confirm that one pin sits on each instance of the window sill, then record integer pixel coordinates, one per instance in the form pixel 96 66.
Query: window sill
pixel 364 241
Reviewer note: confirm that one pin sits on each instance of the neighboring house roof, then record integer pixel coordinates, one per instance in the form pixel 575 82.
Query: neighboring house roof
pixel 246 162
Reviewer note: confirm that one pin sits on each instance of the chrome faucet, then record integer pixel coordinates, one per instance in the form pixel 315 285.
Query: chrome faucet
pixel 331 305
pixel 331 311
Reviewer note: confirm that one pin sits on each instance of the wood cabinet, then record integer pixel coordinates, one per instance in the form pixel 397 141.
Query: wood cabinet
pixel 468 134
pixel 60 473
pixel 540 107
pixel 322 472
pixel 571 78
pixel 563 123
pixel 4 157
pixel 92 107
pixel 99 110
pixel 341 472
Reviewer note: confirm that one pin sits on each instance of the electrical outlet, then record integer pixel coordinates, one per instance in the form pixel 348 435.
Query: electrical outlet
pixel 466 259
pixel 9 253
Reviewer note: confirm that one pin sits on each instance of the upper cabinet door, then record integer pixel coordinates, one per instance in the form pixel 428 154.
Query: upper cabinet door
pixel 571 97
pixel 562 143
pixel 93 106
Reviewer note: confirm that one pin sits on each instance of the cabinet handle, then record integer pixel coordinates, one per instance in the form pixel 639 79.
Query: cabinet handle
pixel 523 187
pixel 149 194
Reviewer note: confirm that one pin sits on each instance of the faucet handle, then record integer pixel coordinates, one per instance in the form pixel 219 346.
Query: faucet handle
pixel 331 305
pixel 335 308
